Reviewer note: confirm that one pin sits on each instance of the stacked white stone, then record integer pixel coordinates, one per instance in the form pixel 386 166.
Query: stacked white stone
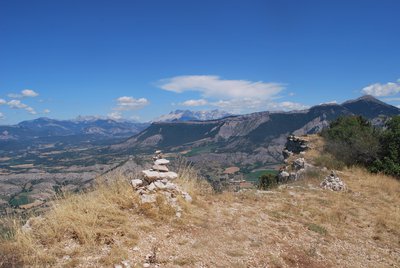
pixel 159 169
pixel 156 181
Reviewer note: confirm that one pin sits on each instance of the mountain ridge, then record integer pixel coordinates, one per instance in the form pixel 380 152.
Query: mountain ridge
pixel 255 137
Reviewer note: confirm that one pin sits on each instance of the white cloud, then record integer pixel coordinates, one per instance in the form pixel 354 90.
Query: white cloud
pixel 329 102
pixel 24 93
pixel 14 96
pixel 235 96
pixel 2 116
pixel 17 104
pixel 398 106
pixel 115 115
pixel 30 110
pixel 380 90
pixel 29 93
pixel 288 106
pixel 215 87
pixel 192 103
pixel 130 104
pixel 2 101
pixel 46 111
pixel 245 105
pixel 391 99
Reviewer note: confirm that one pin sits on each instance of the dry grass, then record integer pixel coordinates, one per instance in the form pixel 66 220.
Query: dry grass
pixel 296 225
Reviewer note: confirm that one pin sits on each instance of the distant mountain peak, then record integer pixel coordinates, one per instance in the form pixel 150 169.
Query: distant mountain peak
pixel 367 98
pixel 188 115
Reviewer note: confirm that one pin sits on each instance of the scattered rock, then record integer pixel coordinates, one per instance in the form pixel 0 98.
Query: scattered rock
pixel 299 163
pixel 187 197
pixel 126 264
pixel 148 198
pixel 283 176
pixel 136 183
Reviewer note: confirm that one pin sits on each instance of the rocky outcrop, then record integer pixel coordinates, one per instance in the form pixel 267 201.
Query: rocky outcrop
pixel 294 169
pixel 295 145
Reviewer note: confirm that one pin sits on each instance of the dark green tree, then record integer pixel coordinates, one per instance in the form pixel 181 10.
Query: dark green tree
pixel 389 154
pixel 353 140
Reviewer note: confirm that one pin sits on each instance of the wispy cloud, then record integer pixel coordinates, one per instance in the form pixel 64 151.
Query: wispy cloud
pixel 2 116
pixel 2 102
pixel 329 102
pixel 193 103
pixel 130 104
pixel 29 93
pixel 238 106
pixel 381 90
pixel 24 93
pixel 17 104
pixel 391 99
pixel 115 115
pixel 46 111
pixel 215 87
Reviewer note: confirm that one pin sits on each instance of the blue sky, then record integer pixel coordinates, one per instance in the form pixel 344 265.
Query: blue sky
pixel 141 59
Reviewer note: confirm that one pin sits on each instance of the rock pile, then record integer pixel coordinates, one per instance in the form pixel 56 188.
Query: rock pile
pixel 157 181
pixel 333 182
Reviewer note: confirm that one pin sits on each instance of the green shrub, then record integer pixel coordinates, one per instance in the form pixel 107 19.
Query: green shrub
pixel 353 140
pixel 267 181
pixel 329 161
pixel 388 160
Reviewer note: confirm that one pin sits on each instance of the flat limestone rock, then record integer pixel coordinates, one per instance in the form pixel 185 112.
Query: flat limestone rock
pixel 168 175
pixel 151 175
pixel 161 168
pixel 159 185
pixel 161 161
pixel 155 175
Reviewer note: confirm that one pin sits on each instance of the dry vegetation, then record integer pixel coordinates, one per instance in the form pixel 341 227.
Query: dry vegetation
pixel 295 225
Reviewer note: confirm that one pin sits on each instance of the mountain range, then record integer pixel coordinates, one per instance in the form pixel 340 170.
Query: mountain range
pixel 41 157
pixel 248 139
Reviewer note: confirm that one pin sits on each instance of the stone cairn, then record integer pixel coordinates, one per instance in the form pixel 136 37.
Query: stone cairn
pixel 333 182
pixel 158 180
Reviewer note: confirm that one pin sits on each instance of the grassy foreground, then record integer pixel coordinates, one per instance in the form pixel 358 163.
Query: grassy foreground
pixel 295 225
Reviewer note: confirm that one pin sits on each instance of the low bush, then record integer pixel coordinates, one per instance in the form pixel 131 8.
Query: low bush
pixel 267 181
pixel 353 140
pixel 329 161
